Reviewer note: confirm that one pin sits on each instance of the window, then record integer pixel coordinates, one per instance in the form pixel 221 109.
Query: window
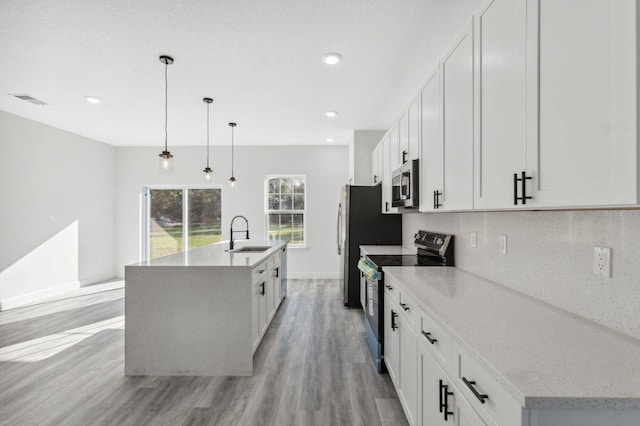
pixel 175 212
pixel 286 206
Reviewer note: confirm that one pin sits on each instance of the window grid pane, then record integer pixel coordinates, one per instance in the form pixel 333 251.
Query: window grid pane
pixel 286 208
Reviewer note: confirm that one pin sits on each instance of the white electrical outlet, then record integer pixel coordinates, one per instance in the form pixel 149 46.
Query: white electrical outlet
pixel 502 244
pixel 602 261
pixel 474 239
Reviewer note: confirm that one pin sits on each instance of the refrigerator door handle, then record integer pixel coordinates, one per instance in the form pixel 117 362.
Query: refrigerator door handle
pixel 338 226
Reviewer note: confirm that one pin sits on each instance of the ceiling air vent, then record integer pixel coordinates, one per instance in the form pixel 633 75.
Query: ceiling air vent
pixel 30 99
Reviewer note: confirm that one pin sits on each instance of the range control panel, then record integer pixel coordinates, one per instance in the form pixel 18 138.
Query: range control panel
pixel 433 242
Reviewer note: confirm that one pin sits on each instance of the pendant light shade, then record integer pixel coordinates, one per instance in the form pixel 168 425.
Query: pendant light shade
pixel 232 179
pixel 166 162
pixel 208 172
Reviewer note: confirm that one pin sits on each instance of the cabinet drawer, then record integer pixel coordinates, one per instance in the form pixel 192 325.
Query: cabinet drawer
pixel 409 306
pixel 477 385
pixel 273 260
pixel 392 289
pixel 437 340
pixel 258 272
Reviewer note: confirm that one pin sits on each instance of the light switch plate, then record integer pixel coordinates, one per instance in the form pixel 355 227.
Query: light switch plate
pixel 602 261
pixel 502 244
pixel 474 239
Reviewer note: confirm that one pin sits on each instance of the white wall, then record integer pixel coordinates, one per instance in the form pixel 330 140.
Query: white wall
pixel 326 168
pixel 56 210
pixel 549 257
pixel 361 145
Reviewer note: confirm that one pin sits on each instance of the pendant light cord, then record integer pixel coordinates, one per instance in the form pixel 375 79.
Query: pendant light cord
pixel 232 175
pixel 166 95
pixel 208 135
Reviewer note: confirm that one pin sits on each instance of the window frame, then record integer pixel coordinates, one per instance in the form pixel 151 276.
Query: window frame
pixel 145 213
pixel 279 211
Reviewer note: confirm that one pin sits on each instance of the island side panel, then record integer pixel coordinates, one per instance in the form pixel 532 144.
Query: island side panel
pixel 188 321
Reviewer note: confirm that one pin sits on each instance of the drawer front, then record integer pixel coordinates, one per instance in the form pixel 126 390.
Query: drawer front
pixel 274 259
pixel 259 271
pixel 409 306
pixel 437 340
pixel 477 386
pixel 392 289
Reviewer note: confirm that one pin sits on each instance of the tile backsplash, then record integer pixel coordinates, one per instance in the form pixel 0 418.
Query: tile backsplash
pixel 550 257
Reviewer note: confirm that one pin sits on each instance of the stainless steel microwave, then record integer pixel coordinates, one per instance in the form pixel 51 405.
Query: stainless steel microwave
pixel 405 185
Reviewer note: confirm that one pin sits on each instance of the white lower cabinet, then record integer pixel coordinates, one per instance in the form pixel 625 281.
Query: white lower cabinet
pixel 266 295
pixel 408 365
pixel 391 339
pixel 441 403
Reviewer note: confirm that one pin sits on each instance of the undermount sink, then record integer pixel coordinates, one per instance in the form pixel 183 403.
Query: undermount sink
pixel 250 249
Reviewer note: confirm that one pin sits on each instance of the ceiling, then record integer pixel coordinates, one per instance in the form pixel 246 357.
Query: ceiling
pixel 259 60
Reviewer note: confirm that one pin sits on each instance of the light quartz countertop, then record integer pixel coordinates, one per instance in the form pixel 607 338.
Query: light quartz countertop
pixel 546 358
pixel 373 250
pixel 218 254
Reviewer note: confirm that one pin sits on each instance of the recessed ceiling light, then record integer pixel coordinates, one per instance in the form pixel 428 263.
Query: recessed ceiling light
pixel 331 58
pixel 331 113
pixel 330 140
pixel 92 99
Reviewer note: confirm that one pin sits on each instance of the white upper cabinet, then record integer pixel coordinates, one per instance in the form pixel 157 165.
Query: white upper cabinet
pixel 414 129
pixel 376 171
pixel 403 135
pixel 386 175
pixel 394 147
pixel 587 152
pixel 409 133
pixel 431 159
pixel 500 146
pixel 456 78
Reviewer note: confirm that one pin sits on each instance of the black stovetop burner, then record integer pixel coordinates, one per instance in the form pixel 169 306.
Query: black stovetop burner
pixel 381 260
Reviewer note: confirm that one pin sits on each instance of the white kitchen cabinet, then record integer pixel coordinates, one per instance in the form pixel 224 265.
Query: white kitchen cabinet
pixel 387 208
pixel 414 129
pixel 501 94
pixel 408 365
pixel 432 153
pixel 391 340
pixel 556 94
pixel 587 152
pixel 456 72
pixel 403 138
pixel 375 171
pixel 394 147
pixel 256 324
pixel 441 403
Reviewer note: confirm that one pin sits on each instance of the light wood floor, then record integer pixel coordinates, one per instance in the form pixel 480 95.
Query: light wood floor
pixel 62 363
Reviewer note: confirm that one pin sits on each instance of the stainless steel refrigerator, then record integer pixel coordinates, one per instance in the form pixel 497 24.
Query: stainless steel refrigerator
pixel 361 222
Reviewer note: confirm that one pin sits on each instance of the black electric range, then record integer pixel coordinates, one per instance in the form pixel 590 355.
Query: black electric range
pixel 433 249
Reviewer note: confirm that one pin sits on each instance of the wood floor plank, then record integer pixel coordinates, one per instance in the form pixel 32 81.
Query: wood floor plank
pixel 312 367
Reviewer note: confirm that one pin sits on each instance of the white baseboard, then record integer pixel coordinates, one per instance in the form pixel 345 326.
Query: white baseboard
pixel 37 296
pixel 313 275
pixel 96 279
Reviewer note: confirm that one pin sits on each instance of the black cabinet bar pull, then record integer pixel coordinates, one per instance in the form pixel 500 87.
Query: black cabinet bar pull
pixel 277 272
pixel 404 306
pixel 429 338
pixel 523 183
pixel 262 289
pixel 404 157
pixel 394 325
pixel 375 178
pixel 444 405
pixel 440 403
pixel 388 287
pixel 386 206
pixel 436 199
pixel 471 385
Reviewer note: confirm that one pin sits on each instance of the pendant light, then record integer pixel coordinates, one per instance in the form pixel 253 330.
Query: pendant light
pixel 232 179
pixel 166 165
pixel 208 173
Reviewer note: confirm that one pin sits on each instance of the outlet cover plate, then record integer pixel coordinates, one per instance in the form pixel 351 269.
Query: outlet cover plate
pixel 502 244
pixel 602 261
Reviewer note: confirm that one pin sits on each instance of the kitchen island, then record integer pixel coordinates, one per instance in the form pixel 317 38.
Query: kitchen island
pixel 202 312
